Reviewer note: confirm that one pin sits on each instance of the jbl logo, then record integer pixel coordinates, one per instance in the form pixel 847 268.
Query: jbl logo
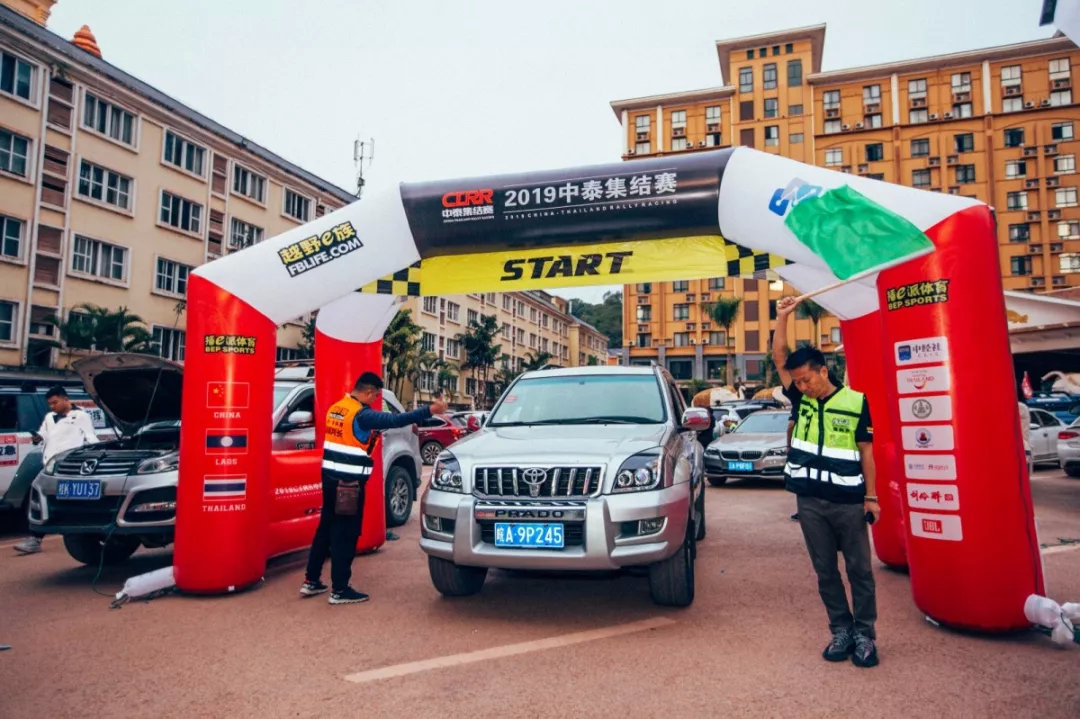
pixel 932 525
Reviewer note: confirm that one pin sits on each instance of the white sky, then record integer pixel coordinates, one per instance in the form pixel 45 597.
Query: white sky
pixel 456 89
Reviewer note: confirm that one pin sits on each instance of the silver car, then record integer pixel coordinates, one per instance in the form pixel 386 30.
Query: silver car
pixel 125 490
pixel 757 447
pixel 1068 448
pixel 1044 429
pixel 584 468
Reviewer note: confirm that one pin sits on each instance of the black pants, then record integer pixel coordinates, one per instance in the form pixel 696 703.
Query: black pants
pixel 337 536
pixel 829 527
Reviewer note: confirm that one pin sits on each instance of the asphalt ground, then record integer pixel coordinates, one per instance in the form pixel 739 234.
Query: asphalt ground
pixel 528 645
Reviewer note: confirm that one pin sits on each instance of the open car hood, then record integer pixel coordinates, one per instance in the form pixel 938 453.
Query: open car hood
pixel 133 389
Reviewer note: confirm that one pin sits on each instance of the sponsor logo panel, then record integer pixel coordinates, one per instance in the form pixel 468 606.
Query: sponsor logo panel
pixel 936 408
pixel 933 496
pixel 925 380
pixel 928 437
pixel 924 350
pixel 936 526
pixel 930 466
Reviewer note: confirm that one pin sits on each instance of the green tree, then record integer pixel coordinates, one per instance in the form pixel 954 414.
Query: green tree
pixel 307 339
pixel 605 316
pixel 536 360
pixel 504 376
pixel 694 386
pixel 99 329
pixel 481 352
pixel 447 379
pixel 402 347
pixel 808 309
pixel 724 311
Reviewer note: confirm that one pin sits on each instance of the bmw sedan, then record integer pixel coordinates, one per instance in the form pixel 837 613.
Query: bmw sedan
pixel 757 447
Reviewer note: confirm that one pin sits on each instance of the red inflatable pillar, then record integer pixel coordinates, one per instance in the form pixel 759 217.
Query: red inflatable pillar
pixel 223 496
pixel 971 545
pixel 866 370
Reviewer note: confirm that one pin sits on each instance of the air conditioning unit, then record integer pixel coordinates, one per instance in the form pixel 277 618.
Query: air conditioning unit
pixel 933 115
pixel 1058 84
pixel 705 340
pixel 1013 90
pixel 1044 103
pixel 642 136
pixel 1029 104
pixel 948 115
pixel 701 143
pixel 693 340
pixel 858 126
pixel 935 161
pixel 845 127
pixel 630 152
pixel 678 131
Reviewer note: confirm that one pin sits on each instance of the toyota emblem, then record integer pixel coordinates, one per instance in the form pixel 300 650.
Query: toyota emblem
pixel 534 477
pixel 88 466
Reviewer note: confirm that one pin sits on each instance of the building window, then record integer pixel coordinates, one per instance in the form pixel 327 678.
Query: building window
pixel 961 109
pixel 964 143
pixel 8 315
pixel 641 124
pixel 470 386
pixel 184 154
pixel 834 156
pixel 920 178
pixel 243 234
pixel 1019 232
pixel 427 341
pixel 716 283
pixel 920 148
pixel 471 316
pixel 1016 201
pixel 750 54
pixel 746 79
pixel 1058 131
pixel 680 286
pixel 109 120
pixel 772 107
pixel 643 148
pixel 917 117
pixel 681 312
pixel 1069 230
pixel 795 110
pixel 871 94
pixel 643 288
pixel 965 174
pixel 17 76
pixel 681 339
pixel 678 143
pixel 99 259
pixel 169 343
pixel 875 152
pixel 1012 104
pixel 917 89
pixel 1059 69
pixel 171 277
pixel 961 82
pixel 1020 265
pixel 831 99
pixel 644 340
pixel 1065 165
pixel 772 135
pixel 453 348
pixel 1060 97
pixel 834 335
pixel 678 120
pixel 1010 75
pixel 98 183
pixel 181 213
pixel 297 206
pixel 794 73
pixel 746 110
pixel 873 120
pixel 1070 263
pixel 14 150
pixel 1015 168
pixel 1014 137
pixel 248 184
pixel 768 76
pixel 1065 197
pixel 788 48
pixel 644 313
pixel 453 311
pixel 795 138
pixel 11 232
pixel 431 305
pixel 832 127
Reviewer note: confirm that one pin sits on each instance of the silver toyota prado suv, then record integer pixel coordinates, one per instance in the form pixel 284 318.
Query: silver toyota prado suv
pixel 585 468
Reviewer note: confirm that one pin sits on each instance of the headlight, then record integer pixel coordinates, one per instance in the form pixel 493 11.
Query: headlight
pixel 638 473
pixel 167 463
pixel 446 474
pixel 50 466
pixel 777 452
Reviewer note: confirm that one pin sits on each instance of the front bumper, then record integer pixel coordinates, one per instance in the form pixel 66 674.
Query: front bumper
pixel 763 467
pixel 601 532
pixel 117 511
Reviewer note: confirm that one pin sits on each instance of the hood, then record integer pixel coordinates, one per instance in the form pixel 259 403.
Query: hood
pixel 555 444
pixel 123 383
pixel 750 440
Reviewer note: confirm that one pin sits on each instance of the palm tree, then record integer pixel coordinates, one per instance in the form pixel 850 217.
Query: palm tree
pixel 95 328
pixel 481 352
pixel 536 360
pixel 402 347
pixel 446 379
pixel 811 310
pixel 724 312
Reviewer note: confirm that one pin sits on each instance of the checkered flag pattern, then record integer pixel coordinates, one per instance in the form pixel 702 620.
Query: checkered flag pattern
pixel 744 262
pixel 403 283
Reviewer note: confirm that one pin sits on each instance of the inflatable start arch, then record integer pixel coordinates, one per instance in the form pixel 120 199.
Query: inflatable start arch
pixel 923 320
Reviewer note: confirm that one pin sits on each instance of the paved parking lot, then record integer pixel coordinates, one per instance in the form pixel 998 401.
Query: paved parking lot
pixel 527 646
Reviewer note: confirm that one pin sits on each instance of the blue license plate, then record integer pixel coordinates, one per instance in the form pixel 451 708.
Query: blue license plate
pixel 529 535
pixel 740 466
pixel 78 489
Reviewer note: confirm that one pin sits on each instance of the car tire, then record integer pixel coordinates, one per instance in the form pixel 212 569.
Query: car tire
pixel 671 581
pixel 718 481
pixel 398 494
pixel 700 534
pixel 430 452
pixel 453 580
pixel 1072 470
pixel 86 548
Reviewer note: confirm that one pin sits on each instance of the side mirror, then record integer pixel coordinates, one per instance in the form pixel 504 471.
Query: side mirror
pixel 695 419
pixel 473 423
pixel 1033 426
pixel 299 418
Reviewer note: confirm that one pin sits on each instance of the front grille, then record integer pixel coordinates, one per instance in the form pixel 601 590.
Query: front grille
pixel 111 463
pixel 527 482
pixel 573 533
pixel 80 511
pixel 158 494
pixel 735 455
pixel 751 455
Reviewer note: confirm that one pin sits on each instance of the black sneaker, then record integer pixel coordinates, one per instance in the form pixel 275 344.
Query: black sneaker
pixel 865 654
pixel 348 595
pixel 840 647
pixel 310 588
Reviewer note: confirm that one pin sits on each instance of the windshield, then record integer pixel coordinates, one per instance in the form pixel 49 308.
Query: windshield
pixel 582 399
pixel 281 391
pixel 764 422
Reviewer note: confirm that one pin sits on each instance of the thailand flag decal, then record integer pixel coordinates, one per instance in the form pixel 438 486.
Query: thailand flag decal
pixel 228 487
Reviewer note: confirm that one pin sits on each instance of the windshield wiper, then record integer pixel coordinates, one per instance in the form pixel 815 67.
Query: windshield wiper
pixel 615 419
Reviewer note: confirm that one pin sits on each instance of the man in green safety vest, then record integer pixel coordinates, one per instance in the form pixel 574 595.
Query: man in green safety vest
pixel 830 469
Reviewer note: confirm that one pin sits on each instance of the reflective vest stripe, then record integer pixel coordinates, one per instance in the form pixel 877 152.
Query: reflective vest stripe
pixel 823 475
pixel 823 446
pixel 346 468
pixel 852 455
pixel 344 456
pixel 344 449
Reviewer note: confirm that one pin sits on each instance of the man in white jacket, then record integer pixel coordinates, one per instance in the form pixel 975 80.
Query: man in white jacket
pixel 64 427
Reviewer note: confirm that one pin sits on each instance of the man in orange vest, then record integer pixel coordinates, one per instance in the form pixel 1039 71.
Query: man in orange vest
pixel 352 439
